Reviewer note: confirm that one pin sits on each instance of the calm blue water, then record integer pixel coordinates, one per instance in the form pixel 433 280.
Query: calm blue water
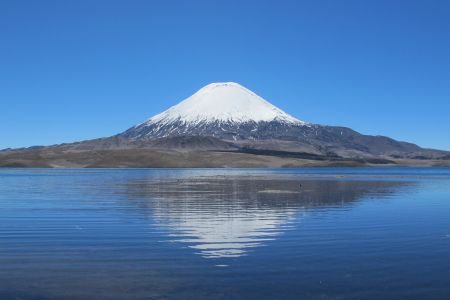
pixel 326 233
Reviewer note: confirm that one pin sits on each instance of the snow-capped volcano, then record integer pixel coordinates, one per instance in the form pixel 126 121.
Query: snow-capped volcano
pixel 228 116
pixel 225 109
pixel 223 125
pixel 224 102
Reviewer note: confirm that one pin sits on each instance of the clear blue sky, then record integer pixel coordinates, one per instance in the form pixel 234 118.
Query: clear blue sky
pixel 74 70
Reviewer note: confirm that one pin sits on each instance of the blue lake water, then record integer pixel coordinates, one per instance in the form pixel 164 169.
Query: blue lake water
pixel 325 233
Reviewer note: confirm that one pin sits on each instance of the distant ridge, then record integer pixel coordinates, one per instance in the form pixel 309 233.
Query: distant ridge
pixel 225 124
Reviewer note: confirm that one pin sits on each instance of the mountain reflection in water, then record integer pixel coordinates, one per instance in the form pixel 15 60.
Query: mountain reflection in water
pixel 332 233
pixel 227 216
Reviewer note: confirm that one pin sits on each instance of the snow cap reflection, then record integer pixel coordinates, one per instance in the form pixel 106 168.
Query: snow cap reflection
pixel 228 216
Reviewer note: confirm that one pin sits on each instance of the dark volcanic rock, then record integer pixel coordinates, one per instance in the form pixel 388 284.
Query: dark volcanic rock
pixel 225 124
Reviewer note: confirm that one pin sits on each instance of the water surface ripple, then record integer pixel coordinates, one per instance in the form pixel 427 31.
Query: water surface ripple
pixel 327 233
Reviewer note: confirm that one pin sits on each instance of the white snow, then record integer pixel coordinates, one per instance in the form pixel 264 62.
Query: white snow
pixel 229 236
pixel 223 102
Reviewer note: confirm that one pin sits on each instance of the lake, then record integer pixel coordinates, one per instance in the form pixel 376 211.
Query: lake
pixel 325 233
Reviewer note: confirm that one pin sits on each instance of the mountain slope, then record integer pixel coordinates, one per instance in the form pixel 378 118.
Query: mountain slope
pixel 231 112
pixel 225 124
pixel 224 102
pixel 224 110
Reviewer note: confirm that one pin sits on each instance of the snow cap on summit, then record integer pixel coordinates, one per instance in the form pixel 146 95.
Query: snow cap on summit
pixel 224 102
